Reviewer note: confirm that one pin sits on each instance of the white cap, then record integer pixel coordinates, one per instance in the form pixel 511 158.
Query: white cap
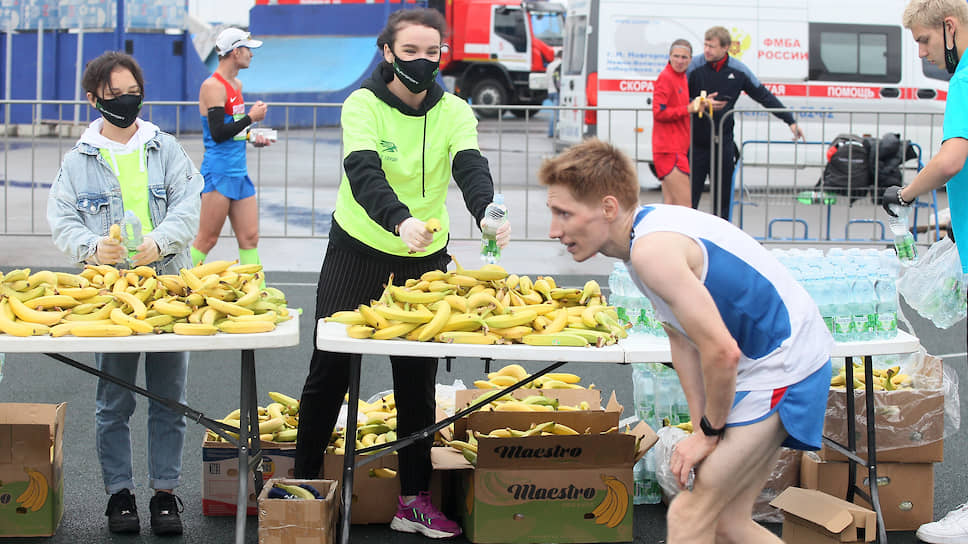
pixel 232 38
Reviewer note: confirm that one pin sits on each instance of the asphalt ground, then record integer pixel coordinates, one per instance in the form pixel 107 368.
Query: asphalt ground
pixel 213 387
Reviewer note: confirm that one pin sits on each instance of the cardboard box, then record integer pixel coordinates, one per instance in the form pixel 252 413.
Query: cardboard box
pixel 220 475
pixel 813 517
pixel 786 473
pixel 31 468
pixel 906 491
pixel 548 488
pixel 284 521
pixel 909 422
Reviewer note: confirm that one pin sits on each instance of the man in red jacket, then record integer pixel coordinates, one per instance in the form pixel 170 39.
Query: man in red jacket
pixel 670 127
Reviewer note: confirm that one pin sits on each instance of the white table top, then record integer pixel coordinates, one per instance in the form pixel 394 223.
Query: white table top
pixel 285 334
pixel 637 348
pixel 332 337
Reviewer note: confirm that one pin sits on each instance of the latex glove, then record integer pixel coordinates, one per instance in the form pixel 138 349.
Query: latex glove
pixel 892 197
pixel 148 252
pixel 688 453
pixel 414 233
pixel 797 132
pixel 109 251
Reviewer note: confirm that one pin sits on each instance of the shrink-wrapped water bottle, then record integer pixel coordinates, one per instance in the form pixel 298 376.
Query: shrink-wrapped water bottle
pixel 907 252
pixel 495 216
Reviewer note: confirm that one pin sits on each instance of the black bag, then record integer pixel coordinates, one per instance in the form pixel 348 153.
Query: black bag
pixel 853 161
pixel 848 169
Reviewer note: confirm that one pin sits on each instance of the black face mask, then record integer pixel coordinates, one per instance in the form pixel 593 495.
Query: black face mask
pixel 418 74
pixel 120 111
pixel 950 54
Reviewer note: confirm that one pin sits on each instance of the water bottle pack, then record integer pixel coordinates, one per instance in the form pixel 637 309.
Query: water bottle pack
pixel 854 289
pixel 631 305
pixel 936 287
pixel 658 398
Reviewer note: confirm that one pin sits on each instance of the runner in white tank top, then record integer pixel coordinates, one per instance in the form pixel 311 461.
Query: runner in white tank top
pixel 748 343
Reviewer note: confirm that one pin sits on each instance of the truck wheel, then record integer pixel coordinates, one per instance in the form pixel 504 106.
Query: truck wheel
pixel 489 92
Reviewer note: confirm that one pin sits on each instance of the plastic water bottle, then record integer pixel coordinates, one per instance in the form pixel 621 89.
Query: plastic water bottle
pixel 647 490
pixel 816 197
pixel 495 216
pixel 643 386
pixel 886 291
pixel 862 305
pixel 616 291
pixel 842 315
pixel 131 233
pixel 907 252
pixel 951 307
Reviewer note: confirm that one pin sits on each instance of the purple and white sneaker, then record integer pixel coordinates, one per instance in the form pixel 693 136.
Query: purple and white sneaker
pixel 420 516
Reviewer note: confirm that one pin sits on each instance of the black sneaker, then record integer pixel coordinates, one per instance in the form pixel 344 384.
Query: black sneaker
pixel 164 508
pixel 122 513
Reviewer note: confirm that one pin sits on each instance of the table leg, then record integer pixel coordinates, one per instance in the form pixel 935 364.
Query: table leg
pixel 851 430
pixel 349 453
pixel 872 447
pixel 250 452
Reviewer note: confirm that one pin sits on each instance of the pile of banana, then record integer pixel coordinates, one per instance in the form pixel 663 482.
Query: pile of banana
pixel 35 496
pixel 380 427
pixel 468 448
pixel 533 403
pixel 884 380
pixel 220 296
pixel 513 373
pixel 685 425
pixel 486 306
pixel 278 422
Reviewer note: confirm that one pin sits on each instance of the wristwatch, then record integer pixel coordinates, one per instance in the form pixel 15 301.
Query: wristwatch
pixel 901 200
pixel 709 430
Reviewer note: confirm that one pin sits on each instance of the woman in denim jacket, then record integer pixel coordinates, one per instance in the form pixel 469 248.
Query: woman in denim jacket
pixel 123 163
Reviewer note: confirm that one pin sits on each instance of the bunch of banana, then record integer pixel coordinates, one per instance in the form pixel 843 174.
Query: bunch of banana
pixel 278 422
pixel 469 447
pixel 533 403
pixel 101 300
pixel 378 425
pixel 685 425
pixel 514 373
pixel 884 379
pixel 35 496
pixel 613 508
pixel 486 306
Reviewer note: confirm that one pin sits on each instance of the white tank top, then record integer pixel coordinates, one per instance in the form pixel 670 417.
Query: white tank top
pixel 774 321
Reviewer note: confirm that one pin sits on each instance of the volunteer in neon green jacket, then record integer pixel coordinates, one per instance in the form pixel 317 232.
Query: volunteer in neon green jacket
pixel 403 137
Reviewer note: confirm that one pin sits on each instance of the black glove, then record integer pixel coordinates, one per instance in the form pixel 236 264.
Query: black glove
pixel 892 197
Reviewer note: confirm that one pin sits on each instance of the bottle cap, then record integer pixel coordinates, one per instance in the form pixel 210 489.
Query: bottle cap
pixel 498 198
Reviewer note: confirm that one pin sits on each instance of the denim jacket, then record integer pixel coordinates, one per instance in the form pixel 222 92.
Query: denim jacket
pixel 85 200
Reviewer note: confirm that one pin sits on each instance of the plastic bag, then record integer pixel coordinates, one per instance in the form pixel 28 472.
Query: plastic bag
pixel 936 286
pixel 445 395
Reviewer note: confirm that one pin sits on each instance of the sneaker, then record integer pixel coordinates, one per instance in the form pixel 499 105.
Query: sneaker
pixel 164 509
pixel 420 516
pixel 122 513
pixel 951 529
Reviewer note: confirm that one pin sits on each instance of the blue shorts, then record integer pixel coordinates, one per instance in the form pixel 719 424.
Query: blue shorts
pixel 231 187
pixel 802 407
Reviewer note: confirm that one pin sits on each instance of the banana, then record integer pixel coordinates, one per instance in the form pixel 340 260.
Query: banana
pixel 296 491
pixel 506 321
pixel 245 327
pixel 383 473
pixel 194 329
pixel 138 308
pixel 137 325
pixel 564 377
pixel 402 294
pixel 515 371
pixel 607 505
pixel 99 314
pixel 393 331
pixel 556 339
pixel 160 320
pixel 372 318
pixel 540 308
pixel 563 430
pixel 214 267
pixel 191 280
pixel 462 280
pixel 563 293
pixel 40 498
pixel 285 435
pixel 196 315
pixel 432 275
pixel 436 324
pixel 558 323
pixel 252 268
pixel 35 316
pixel 51 301
pixel 542 286
pixel 346 317
pixel 96 329
pixel 78 293
pixel 591 289
pixel 44 276
pixel 249 298
pixel 457 303
pixel 488 272
pixel 463 337
pixel 588 315
pixel 432 224
pixel 227 308
pixel 266 316
pixel 359 331
pixel 174 284
pixel 175 308
pixel 463 322
pixel 394 313
pixel 30 493
pixel 20 274
pixel 504 381
pixel 513 333
pixel 485 384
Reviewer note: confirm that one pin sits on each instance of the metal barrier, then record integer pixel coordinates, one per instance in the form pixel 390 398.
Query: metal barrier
pixel 296 179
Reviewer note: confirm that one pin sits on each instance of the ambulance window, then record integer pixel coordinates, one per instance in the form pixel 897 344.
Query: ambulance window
pixel 933 71
pixel 573 60
pixel 864 53
pixel 509 24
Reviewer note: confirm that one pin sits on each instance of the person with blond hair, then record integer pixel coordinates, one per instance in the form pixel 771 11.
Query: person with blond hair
pixel 940 28
pixel 747 341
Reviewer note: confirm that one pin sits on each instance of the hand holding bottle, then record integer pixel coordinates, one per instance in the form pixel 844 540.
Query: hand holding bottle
pixel 148 252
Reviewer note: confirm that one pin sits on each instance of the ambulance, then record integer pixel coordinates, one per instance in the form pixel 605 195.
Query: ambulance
pixel 849 63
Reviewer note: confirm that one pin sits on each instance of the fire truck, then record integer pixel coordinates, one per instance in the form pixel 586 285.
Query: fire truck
pixel 498 49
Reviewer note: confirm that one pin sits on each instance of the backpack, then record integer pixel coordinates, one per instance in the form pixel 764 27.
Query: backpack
pixel 847 171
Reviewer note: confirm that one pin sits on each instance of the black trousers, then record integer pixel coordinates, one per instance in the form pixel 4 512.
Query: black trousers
pixel 346 280
pixel 702 160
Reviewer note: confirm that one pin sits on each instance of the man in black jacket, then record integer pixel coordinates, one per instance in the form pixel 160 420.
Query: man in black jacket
pixel 723 78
